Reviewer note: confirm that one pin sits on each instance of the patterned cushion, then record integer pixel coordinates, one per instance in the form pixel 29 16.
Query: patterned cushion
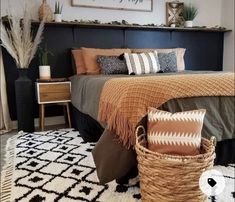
pixel 177 134
pixel 178 51
pixel 168 62
pixel 143 63
pixel 112 65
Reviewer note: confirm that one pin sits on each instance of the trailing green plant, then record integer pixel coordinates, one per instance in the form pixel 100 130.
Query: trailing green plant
pixel 43 54
pixel 58 8
pixel 190 12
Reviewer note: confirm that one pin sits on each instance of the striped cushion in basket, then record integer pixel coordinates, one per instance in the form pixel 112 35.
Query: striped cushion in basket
pixel 143 63
pixel 176 134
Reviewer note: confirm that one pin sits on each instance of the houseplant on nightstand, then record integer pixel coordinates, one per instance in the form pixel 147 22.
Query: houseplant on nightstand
pixel 17 39
pixel 189 14
pixel 58 11
pixel 44 68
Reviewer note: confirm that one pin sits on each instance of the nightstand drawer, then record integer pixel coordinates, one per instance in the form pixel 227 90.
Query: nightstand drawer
pixel 53 92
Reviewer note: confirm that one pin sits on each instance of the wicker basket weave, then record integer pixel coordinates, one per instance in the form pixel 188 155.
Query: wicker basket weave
pixel 45 12
pixel 166 178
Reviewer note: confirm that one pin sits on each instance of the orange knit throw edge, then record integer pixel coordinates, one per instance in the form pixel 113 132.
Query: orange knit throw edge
pixel 124 101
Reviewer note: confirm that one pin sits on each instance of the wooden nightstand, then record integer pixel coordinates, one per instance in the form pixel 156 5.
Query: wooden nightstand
pixel 53 93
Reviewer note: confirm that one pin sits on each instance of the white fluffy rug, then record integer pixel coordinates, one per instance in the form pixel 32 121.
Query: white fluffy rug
pixel 58 166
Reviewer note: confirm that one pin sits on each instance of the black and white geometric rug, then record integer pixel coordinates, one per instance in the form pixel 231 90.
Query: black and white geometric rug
pixel 58 166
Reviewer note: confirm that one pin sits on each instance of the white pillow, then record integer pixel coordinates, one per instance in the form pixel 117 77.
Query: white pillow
pixel 142 63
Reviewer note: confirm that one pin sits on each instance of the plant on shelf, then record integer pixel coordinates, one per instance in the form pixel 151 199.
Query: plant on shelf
pixel 58 11
pixel 190 12
pixel 44 68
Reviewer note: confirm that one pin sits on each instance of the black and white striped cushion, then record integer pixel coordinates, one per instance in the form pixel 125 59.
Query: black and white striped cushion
pixel 143 63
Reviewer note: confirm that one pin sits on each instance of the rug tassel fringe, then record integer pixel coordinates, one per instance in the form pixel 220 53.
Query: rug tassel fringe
pixel 7 171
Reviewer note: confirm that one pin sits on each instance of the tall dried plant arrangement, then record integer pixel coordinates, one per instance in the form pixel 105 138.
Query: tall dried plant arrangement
pixel 17 39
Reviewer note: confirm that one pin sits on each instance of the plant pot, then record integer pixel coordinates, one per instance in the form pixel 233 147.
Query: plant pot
pixel 45 72
pixel 188 23
pixel 24 91
pixel 58 17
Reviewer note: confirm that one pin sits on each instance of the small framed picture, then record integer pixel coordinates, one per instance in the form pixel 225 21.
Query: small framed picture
pixel 174 13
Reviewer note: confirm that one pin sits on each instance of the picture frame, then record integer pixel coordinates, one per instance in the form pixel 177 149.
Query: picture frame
pixel 174 13
pixel 131 5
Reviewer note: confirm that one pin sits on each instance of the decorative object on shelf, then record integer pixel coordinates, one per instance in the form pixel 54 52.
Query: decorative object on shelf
pixel 189 14
pixel 17 39
pixel 44 68
pixel 135 5
pixel 174 13
pixel 58 11
pixel 45 12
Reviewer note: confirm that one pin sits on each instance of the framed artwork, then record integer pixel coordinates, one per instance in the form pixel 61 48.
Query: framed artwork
pixel 135 5
pixel 174 13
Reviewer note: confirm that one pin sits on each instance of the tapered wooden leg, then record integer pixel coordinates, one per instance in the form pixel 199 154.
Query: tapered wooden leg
pixel 65 112
pixel 68 115
pixel 42 116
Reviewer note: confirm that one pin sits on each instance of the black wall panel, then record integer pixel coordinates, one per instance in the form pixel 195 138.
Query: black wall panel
pixel 148 39
pixel 99 38
pixel 204 50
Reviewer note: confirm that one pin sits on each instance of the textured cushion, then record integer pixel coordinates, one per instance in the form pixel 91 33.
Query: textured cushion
pixel 177 134
pixel 168 62
pixel 79 63
pixel 179 55
pixel 112 65
pixel 90 56
pixel 143 63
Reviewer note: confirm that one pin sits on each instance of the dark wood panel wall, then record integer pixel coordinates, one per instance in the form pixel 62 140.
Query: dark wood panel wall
pixel 204 50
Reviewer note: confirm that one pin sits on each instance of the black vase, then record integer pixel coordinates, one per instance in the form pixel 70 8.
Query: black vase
pixel 24 101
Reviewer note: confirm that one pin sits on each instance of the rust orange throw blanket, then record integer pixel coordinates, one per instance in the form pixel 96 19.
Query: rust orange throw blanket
pixel 124 101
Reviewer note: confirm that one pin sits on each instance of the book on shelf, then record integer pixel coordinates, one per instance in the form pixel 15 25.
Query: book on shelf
pixel 53 80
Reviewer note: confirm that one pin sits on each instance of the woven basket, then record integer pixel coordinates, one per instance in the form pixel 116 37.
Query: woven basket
pixel 45 12
pixel 166 178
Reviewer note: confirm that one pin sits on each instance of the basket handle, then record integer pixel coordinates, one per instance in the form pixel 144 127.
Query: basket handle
pixel 213 141
pixel 140 135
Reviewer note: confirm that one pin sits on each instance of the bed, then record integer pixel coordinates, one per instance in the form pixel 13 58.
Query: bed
pixel 113 154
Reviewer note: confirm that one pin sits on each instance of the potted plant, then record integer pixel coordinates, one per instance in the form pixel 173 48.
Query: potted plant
pixel 44 68
pixel 18 39
pixel 58 11
pixel 189 14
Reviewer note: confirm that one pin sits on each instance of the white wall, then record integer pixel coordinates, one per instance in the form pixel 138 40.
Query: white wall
pixel 209 12
pixel 228 22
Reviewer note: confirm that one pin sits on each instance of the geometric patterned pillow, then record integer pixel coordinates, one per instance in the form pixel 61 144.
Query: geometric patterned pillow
pixel 168 62
pixel 112 65
pixel 176 134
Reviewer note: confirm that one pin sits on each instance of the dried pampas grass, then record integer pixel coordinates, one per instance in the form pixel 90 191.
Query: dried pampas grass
pixel 18 39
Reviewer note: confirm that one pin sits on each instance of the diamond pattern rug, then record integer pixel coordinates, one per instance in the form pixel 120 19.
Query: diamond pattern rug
pixel 58 166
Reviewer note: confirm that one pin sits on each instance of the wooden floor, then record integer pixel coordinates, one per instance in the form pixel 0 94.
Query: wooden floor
pixel 6 136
